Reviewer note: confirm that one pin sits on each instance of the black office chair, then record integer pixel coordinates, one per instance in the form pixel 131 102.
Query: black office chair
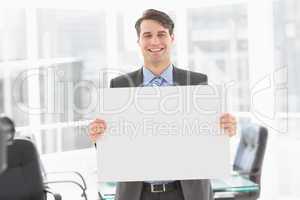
pixel 22 179
pixel 250 155
pixel 2 152
pixel 6 127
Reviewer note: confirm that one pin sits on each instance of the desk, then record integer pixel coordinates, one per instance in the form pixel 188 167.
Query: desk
pixel 234 183
pixel 84 161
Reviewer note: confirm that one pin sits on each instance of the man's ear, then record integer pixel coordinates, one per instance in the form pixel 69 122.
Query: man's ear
pixel 138 41
pixel 172 37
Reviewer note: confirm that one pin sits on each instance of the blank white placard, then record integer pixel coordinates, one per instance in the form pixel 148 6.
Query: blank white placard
pixel 162 133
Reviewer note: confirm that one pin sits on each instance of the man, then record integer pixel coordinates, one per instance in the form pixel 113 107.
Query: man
pixel 155 39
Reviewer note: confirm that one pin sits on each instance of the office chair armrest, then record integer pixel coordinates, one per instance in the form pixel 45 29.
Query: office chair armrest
pixel 244 173
pixel 56 196
pixel 72 172
pixel 70 181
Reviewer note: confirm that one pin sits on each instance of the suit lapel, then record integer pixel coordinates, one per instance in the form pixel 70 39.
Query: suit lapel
pixel 138 78
pixel 180 77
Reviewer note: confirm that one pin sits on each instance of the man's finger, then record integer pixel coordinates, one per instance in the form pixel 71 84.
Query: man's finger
pixel 228 124
pixel 98 123
pixel 230 131
pixel 228 119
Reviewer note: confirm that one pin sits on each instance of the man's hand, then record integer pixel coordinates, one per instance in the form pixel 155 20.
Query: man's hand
pixel 96 129
pixel 228 123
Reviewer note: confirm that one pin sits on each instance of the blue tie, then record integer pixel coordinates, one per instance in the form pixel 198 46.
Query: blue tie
pixel 157 81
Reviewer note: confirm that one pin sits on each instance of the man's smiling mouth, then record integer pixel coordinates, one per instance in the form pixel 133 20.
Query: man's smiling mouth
pixel 155 50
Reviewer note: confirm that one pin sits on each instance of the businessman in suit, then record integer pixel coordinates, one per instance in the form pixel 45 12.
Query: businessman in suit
pixel 155 39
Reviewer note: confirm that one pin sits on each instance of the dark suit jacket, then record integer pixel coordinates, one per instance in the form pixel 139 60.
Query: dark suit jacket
pixel 192 189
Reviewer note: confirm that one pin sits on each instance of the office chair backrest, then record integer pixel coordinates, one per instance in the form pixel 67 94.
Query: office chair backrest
pixel 7 133
pixel 22 179
pixel 251 151
pixel 2 153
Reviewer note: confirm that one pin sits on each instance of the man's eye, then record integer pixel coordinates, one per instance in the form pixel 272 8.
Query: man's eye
pixel 147 36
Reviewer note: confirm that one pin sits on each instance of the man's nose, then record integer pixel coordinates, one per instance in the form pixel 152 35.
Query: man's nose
pixel 155 40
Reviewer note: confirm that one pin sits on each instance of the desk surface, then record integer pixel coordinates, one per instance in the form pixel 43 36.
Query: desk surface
pixel 73 160
pixel 234 183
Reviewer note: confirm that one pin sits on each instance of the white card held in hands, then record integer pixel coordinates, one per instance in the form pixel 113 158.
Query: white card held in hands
pixel 162 133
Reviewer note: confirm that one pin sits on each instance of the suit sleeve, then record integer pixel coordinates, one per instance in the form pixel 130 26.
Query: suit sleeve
pixel 111 85
pixel 205 80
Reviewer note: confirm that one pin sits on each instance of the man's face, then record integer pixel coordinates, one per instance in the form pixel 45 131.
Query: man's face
pixel 155 42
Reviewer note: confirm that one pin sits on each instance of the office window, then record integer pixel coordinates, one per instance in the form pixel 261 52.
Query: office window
pixel 1 97
pixel 57 97
pixel 127 46
pixel 64 139
pixel 71 48
pixel 13 51
pixel 71 33
pixel 18 101
pixel 218 47
pixel 12 35
pixel 79 38
pixel 287 49
pixel 287 46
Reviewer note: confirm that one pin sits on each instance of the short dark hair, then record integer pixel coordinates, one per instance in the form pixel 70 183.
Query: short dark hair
pixel 156 15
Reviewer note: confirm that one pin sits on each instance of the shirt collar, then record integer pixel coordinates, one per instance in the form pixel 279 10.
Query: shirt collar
pixel 167 75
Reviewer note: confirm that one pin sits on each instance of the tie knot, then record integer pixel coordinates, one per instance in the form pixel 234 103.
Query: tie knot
pixel 157 81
